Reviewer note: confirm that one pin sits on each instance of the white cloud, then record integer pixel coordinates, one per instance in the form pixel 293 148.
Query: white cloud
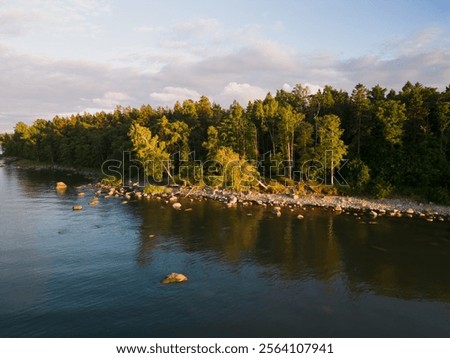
pixel 313 89
pixel 24 17
pixel 241 92
pixel 112 99
pixel 38 87
pixel 169 95
pixel 425 40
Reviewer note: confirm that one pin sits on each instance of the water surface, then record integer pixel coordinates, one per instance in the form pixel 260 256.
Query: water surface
pixel 96 273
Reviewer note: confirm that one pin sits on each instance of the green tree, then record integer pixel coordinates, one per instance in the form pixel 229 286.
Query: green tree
pixel 236 173
pixel 150 152
pixel 288 123
pixel 237 132
pixel 391 115
pixel 330 149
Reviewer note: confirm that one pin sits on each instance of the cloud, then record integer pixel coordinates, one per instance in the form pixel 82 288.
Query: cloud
pixel 39 87
pixel 18 18
pixel 112 99
pixel 35 87
pixel 431 68
pixel 197 27
pixel 427 39
pixel 241 92
pixel 170 95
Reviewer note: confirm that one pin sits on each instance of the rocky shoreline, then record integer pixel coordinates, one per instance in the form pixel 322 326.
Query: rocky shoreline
pixel 372 208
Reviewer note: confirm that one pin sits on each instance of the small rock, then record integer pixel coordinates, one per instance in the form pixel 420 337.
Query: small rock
pixel 188 209
pixel 174 277
pixel 176 206
pixel 300 217
pixel 81 194
pixel 172 199
pixel 93 202
pixel 151 235
pixel 278 213
pixel 61 185
pixel 373 214
pixel 337 208
pixel 77 207
pixel 410 211
pixel 277 208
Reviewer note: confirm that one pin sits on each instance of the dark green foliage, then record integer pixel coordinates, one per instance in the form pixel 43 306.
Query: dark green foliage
pixel 395 143
pixel 357 175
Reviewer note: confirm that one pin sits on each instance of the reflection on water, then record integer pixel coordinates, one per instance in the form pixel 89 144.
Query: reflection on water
pixel 399 257
pixel 96 273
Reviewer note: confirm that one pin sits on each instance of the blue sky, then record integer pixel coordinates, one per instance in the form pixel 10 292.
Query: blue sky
pixel 63 57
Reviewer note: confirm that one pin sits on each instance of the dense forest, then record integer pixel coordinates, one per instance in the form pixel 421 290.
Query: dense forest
pixel 379 142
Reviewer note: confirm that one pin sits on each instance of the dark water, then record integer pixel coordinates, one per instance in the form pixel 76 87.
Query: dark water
pixel 97 273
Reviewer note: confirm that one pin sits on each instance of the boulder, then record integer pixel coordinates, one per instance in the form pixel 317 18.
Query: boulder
pixel 174 277
pixel 61 185
pixel 176 206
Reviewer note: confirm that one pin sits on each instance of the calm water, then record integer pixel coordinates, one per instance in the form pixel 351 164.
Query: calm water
pixel 97 273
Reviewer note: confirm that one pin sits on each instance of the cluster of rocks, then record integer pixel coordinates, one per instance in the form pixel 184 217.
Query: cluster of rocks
pixel 371 208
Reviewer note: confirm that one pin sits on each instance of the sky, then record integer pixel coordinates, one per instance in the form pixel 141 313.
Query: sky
pixel 63 57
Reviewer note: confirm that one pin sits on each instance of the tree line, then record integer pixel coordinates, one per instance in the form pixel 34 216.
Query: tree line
pixel 379 142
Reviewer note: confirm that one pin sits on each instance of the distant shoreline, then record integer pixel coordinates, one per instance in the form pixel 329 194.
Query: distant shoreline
pixel 18 163
pixel 395 207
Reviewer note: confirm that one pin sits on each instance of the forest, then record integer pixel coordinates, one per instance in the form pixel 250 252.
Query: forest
pixel 368 142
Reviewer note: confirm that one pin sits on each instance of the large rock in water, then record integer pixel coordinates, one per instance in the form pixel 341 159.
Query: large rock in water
pixel 174 277
pixel 61 185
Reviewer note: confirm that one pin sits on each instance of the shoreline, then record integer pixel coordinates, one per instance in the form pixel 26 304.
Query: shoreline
pixel 394 207
pixel 401 207
pixel 26 164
